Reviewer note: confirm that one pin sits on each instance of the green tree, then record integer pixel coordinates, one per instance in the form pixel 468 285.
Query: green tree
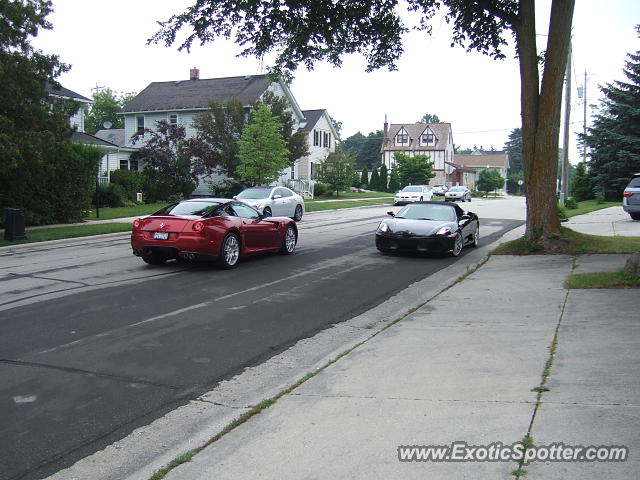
pixel 394 181
pixel 365 148
pixel 220 129
pixel 614 138
pixel 37 158
pixel 430 118
pixel 364 178
pixel 263 153
pixel 384 178
pixel 105 108
pixel 374 28
pixel 374 181
pixel 416 170
pixel 513 185
pixel 489 180
pixel 581 184
pixel 337 170
pixel 513 147
pixel 295 138
pixel 179 161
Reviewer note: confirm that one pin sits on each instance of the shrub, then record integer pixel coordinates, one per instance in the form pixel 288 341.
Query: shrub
pixel 130 180
pixel 562 212
pixel 571 203
pixel 111 195
pixel 320 189
pixel 599 197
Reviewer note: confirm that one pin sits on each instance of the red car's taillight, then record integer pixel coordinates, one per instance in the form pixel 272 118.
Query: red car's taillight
pixel 136 223
pixel 198 226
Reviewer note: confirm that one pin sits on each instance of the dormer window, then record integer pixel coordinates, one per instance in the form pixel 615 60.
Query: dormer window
pixel 402 138
pixel 173 119
pixel 427 138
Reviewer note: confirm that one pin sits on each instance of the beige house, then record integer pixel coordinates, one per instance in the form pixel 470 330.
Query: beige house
pixel 480 161
pixel 432 139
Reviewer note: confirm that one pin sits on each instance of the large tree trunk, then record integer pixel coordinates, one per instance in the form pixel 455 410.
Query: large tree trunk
pixel 541 113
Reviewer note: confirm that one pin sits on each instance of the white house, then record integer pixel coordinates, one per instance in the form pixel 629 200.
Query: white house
pixel 117 156
pixel 322 138
pixel 180 101
pixel 432 139
pixel 77 119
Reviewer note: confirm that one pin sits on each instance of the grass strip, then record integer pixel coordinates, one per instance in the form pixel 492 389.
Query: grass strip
pixel 619 279
pixel 75 231
pixel 576 244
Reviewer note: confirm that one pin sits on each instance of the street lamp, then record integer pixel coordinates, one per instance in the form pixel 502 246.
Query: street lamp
pixel 520 182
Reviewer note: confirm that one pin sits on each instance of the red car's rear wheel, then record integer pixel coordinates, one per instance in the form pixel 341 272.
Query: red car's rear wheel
pixel 230 251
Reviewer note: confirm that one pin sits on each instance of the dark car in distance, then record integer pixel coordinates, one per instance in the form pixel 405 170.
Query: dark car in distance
pixel 429 227
pixel 631 197
pixel 210 229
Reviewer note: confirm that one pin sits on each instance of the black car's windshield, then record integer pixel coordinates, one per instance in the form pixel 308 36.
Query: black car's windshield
pixel 201 209
pixel 428 211
pixel 255 193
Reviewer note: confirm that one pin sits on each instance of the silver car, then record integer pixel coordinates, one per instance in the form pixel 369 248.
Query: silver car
pixel 440 189
pixel 458 193
pixel 631 197
pixel 274 201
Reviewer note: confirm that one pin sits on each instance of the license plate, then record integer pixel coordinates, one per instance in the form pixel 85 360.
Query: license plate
pixel 160 235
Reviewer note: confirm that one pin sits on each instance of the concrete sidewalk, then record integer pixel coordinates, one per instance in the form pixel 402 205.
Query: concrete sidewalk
pixel 462 369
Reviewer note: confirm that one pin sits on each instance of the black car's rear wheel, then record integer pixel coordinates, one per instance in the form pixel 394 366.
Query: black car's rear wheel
pixel 289 241
pixel 153 257
pixel 458 243
pixel 230 251
pixel 297 216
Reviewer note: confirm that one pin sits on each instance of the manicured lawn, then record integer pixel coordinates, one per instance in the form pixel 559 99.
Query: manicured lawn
pixel 318 206
pixel 576 243
pixel 107 213
pixel 590 206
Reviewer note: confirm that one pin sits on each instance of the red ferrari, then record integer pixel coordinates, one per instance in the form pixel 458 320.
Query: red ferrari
pixel 210 229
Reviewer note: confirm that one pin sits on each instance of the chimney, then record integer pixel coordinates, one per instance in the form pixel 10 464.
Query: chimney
pixel 194 74
pixel 386 128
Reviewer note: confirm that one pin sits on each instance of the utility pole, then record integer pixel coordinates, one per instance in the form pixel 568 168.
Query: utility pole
pixel 564 176
pixel 584 127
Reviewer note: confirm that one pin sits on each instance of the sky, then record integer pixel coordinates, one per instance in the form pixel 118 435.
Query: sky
pixel 105 42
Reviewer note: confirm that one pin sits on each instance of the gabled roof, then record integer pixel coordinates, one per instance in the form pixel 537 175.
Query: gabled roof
pixel 86 139
pixel 440 130
pixel 497 159
pixel 65 93
pixel 312 117
pixel 196 94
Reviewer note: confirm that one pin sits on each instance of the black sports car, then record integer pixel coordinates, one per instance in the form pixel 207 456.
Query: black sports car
pixel 434 227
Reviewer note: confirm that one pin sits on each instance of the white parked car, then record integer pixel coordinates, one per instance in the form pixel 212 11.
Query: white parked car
pixel 413 193
pixel 460 192
pixel 274 201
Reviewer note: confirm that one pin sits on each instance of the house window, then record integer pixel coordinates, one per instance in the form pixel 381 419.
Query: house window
pixel 402 138
pixel 314 171
pixel 139 123
pixel 133 165
pixel 326 140
pixel 173 119
pixel 427 138
pixel 124 165
pixel 316 138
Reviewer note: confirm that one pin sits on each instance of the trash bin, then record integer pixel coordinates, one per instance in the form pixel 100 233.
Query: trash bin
pixel 14 225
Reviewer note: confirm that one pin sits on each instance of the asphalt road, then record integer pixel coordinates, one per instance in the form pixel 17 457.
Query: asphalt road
pixel 94 343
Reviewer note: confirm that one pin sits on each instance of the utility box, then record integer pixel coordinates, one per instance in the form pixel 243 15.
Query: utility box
pixel 14 225
pixel 139 197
